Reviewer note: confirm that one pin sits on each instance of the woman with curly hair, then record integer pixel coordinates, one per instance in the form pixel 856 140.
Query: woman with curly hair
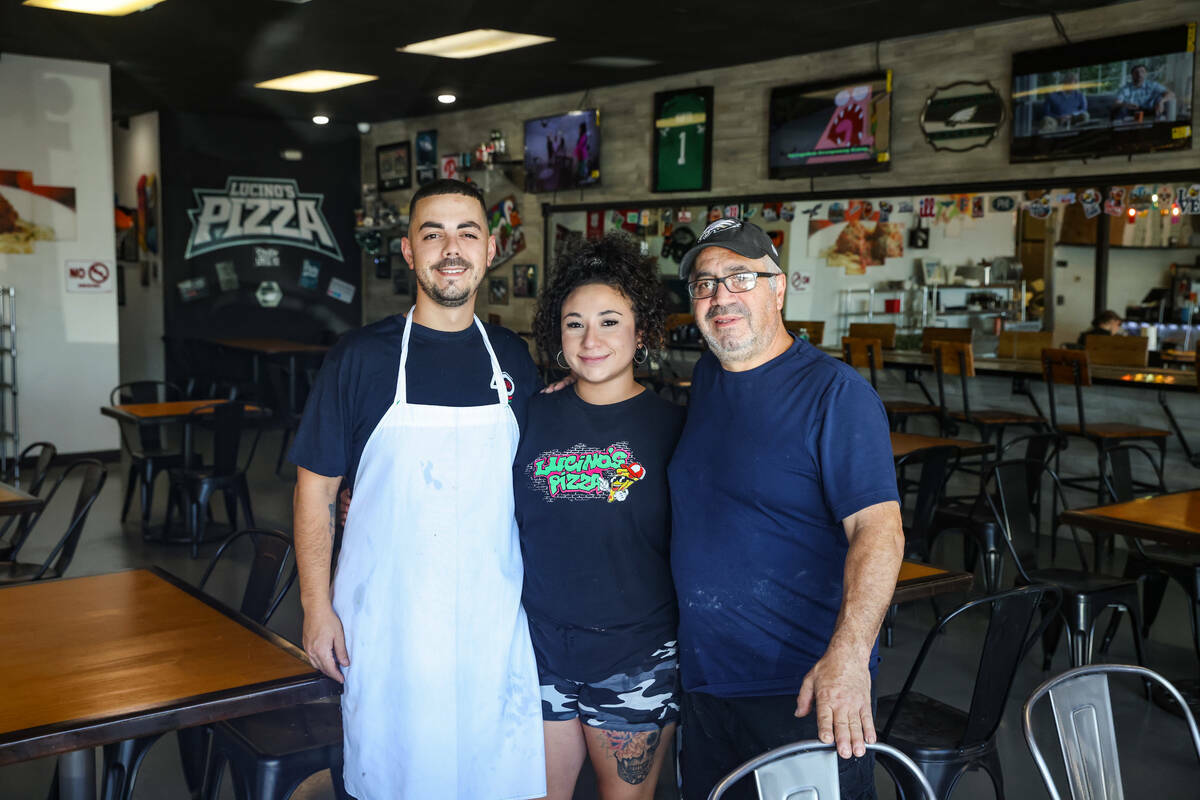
pixel 590 479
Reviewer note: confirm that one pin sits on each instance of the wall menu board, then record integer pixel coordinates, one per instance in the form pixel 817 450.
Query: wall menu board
pixel 683 135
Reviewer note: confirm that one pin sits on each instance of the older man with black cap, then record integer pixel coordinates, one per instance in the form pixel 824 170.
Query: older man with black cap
pixel 786 537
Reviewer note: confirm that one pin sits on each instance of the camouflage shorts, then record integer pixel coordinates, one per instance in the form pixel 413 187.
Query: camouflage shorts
pixel 643 698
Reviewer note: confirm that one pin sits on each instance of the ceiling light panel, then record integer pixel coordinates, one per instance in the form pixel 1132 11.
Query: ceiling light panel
pixel 109 8
pixel 472 44
pixel 316 80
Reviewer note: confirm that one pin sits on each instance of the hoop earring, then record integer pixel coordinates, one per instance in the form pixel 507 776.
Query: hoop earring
pixel 558 359
pixel 645 353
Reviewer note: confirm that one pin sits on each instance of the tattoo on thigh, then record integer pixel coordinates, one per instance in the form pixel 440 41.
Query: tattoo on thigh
pixel 634 752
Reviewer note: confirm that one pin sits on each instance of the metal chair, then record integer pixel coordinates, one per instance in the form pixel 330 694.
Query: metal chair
pixel 957 358
pixel 947 742
pixel 193 484
pixel 807 771
pixel 866 352
pixel 1083 718
pixel 1085 595
pixel 148 454
pixel 25 522
pixel 56 563
pixel 265 588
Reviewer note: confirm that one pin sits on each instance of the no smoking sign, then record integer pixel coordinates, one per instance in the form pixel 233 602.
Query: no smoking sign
pixel 86 275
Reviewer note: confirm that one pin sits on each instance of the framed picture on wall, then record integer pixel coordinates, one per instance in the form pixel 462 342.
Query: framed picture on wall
pixel 393 166
pixel 524 280
pixel 683 135
pixel 498 291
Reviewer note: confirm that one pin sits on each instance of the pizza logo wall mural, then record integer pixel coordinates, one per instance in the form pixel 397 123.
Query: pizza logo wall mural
pixel 30 213
pixel 269 211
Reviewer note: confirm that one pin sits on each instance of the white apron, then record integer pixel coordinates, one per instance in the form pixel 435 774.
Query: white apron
pixel 441 697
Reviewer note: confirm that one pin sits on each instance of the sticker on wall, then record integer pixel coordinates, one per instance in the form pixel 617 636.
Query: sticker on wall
pixel 1188 199
pixel 886 210
pixel 1114 206
pixel 770 212
pixel 732 211
pixel 801 281
pixel 964 203
pixel 927 207
pixel 227 279
pixel 977 207
pixel 259 211
pixel 1003 203
pixel 595 225
pixel 1039 208
pixel 787 212
pixel 450 167
pixel 1065 199
pixel 684 216
pixel 904 207
pixel 193 289
pixel 86 275
pixel 340 290
pixel 310 271
pixel 30 213
pixel 749 212
pixel 266 256
pixel 714 213
pixel 269 294
pixel 1140 194
pixel 1091 202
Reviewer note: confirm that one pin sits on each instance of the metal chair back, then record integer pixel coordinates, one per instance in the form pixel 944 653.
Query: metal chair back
pixel 94 476
pixel 41 469
pixel 862 351
pixel 1087 735
pixel 937 465
pixel 265 585
pixel 1070 368
pixel 953 358
pixel 807 771
pixel 149 436
pixel 226 419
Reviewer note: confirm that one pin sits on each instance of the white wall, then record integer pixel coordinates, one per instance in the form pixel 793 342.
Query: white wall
pixel 54 120
pixel 136 153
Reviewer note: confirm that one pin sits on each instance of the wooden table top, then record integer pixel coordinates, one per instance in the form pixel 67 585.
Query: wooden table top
pixel 13 501
pixel 88 661
pixel 1169 518
pixel 163 412
pixel 918 580
pixel 270 347
pixel 905 443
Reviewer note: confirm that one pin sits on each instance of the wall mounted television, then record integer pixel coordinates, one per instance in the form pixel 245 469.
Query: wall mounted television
pixel 831 127
pixel 563 151
pixel 1115 96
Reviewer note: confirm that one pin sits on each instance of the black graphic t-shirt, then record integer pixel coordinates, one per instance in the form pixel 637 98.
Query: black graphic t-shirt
pixel 595 518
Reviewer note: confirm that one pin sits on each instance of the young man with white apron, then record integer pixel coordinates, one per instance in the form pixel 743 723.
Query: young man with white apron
pixel 424 623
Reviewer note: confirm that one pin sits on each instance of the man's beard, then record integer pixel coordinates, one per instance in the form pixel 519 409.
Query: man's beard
pixel 743 347
pixel 451 297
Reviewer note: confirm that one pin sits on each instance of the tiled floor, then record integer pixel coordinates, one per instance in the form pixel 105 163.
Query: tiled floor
pixel 1156 755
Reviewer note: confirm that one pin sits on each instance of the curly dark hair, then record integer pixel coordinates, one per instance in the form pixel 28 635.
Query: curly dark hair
pixel 614 260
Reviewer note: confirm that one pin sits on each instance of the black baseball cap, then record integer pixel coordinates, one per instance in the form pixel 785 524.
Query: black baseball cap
pixel 744 238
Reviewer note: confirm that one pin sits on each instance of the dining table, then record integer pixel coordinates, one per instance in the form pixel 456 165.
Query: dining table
pixel 100 659
pixel 14 502
pixel 917 581
pixel 1171 519
pixel 174 411
pixel 260 348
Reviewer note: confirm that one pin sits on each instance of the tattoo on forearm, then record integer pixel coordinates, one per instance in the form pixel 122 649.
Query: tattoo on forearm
pixel 332 518
pixel 634 752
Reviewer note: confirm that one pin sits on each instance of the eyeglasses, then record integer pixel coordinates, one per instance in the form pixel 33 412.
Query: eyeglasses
pixel 736 283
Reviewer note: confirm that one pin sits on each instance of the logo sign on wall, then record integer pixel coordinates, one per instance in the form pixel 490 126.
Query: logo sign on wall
pixel 85 275
pixel 260 211
pixel 962 116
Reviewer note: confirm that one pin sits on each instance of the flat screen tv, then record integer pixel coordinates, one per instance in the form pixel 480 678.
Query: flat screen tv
pixel 562 152
pixel 830 127
pixel 1116 96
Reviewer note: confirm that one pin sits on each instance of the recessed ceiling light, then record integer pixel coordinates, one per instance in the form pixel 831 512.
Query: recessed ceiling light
pixel 315 80
pixel 109 8
pixel 320 119
pixel 472 44
pixel 364 127
pixel 291 155
pixel 447 98
pixel 617 62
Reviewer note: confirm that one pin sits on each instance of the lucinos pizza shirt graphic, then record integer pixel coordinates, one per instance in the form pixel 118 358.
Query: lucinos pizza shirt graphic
pixel 583 473
pixel 591 502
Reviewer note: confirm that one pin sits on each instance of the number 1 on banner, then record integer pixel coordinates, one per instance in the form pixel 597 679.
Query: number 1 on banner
pixel 682 148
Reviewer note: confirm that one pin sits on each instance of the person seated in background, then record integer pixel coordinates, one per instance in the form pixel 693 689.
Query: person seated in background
pixel 1108 323
pixel 1144 95
pixel 1067 106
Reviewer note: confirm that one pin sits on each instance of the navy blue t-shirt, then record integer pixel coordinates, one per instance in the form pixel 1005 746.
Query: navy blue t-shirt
pixel 357 384
pixel 590 483
pixel 770 462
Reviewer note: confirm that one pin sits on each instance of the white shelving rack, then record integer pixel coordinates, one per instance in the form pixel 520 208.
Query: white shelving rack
pixel 908 318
